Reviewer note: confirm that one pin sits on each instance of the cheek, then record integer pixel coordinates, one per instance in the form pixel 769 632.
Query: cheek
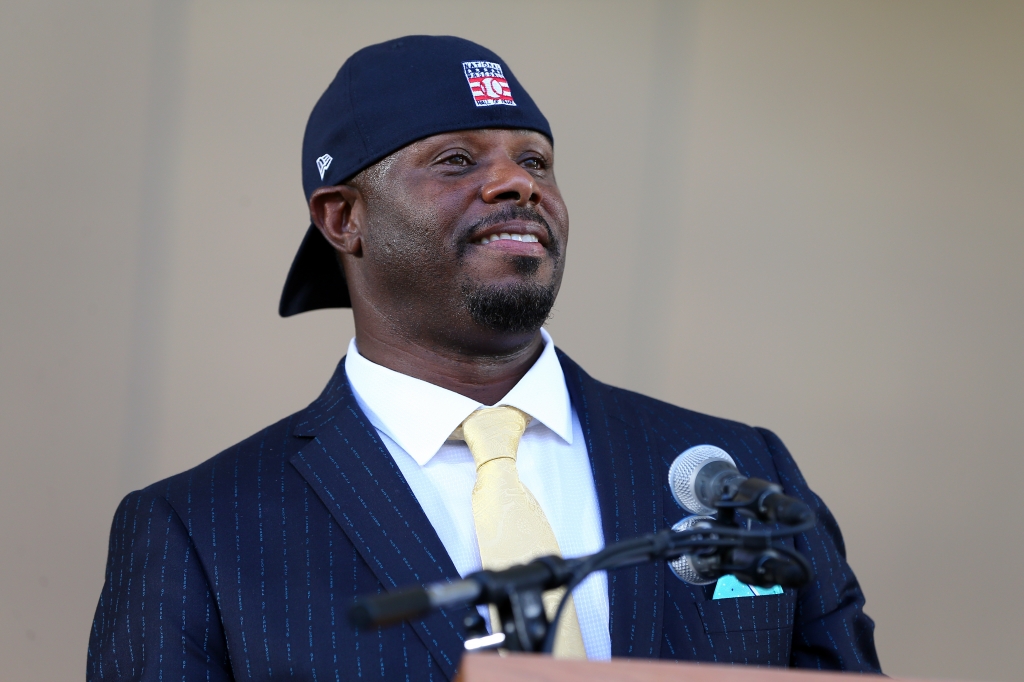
pixel 404 244
pixel 564 220
pixel 559 216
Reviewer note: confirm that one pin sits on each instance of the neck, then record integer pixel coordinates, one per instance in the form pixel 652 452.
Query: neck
pixel 485 376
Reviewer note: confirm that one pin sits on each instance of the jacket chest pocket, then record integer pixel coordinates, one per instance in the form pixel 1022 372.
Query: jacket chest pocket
pixel 750 630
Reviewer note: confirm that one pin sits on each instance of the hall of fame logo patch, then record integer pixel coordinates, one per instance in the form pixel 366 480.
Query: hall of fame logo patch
pixel 488 84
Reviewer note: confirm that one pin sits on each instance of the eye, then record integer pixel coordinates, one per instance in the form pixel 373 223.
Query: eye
pixel 534 163
pixel 459 159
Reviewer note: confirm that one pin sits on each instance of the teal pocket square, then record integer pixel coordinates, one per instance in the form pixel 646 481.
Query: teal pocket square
pixel 728 587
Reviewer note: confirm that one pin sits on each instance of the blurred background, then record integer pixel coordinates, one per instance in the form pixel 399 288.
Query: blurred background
pixel 802 215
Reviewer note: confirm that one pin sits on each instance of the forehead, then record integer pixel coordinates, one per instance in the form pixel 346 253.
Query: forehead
pixel 481 138
pixel 478 141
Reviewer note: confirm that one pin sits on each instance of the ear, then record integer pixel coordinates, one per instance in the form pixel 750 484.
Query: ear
pixel 339 212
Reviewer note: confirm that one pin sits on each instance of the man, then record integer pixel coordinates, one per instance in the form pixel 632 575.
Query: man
pixel 429 173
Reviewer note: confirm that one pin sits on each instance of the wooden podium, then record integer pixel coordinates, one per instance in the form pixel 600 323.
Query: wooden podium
pixel 489 667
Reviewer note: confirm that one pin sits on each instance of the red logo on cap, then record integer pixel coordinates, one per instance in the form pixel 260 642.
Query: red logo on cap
pixel 488 84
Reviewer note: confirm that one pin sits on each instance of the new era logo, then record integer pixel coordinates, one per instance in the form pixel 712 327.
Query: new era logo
pixel 488 84
pixel 322 164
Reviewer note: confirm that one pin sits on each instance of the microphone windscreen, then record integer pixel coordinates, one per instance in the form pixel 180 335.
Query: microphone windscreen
pixel 682 475
pixel 682 566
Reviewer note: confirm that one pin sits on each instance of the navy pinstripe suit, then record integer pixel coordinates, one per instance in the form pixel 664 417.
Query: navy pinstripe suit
pixel 244 567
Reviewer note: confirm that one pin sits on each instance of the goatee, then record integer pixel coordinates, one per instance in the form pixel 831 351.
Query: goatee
pixel 512 309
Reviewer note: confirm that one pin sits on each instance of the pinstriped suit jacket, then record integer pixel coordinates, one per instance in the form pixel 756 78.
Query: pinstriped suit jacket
pixel 245 566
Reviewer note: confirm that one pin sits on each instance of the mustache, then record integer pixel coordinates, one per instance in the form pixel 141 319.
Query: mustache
pixel 506 214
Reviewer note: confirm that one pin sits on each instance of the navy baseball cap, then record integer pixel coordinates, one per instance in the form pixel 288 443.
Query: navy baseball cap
pixel 385 97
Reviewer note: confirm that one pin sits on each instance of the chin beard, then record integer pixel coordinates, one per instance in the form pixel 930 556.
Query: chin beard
pixel 511 309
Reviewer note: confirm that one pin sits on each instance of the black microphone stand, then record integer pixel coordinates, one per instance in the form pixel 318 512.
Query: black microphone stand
pixel 716 548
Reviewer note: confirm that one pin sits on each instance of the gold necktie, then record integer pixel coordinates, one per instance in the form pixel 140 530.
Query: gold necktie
pixel 511 528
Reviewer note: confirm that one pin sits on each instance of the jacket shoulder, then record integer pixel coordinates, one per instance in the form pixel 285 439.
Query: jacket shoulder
pixel 266 450
pixel 680 428
pixel 667 412
pixel 673 428
pixel 263 452
pixel 630 405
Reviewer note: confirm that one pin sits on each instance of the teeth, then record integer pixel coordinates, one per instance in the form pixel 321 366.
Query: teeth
pixel 529 238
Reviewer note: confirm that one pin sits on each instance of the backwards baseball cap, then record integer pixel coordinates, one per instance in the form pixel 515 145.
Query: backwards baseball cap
pixel 385 97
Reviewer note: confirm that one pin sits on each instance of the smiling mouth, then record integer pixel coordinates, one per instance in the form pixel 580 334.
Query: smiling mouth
pixel 507 236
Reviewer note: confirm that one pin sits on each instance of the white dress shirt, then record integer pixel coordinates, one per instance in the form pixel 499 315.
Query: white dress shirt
pixel 415 418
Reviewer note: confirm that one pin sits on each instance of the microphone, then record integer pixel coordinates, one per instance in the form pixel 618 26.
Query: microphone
pixel 761 567
pixel 394 607
pixel 705 478
pixel 684 566
pixel 481 587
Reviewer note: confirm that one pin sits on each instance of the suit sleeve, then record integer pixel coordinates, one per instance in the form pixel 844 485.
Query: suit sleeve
pixel 156 618
pixel 830 630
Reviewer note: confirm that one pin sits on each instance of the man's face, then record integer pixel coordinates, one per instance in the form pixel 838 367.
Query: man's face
pixel 464 228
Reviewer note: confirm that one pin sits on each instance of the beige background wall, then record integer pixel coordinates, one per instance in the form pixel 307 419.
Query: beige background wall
pixel 803 215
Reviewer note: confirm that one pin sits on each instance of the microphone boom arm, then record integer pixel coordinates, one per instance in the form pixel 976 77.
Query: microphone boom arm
pixel 720 548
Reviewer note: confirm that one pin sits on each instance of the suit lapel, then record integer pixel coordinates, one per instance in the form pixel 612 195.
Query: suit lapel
pixel 355 476
pixel 628 478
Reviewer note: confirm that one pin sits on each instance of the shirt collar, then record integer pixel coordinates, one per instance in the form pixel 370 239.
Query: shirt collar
pixel 420 416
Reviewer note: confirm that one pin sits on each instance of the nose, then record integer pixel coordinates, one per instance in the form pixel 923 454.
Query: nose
pixel 511 182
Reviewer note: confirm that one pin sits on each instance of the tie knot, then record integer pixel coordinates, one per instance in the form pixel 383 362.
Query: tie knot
pixel 493 432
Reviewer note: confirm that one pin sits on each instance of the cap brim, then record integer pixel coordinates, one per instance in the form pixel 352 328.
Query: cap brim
pixel 315 279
